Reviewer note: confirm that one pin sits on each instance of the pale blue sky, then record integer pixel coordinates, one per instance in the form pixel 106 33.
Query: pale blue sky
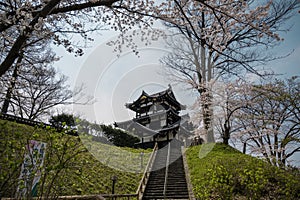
pixel 114 81
pixel 291 64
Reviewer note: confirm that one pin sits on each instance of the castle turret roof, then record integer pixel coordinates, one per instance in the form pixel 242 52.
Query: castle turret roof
pixel 165 98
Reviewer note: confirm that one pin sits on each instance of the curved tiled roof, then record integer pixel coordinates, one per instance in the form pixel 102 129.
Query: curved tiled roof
pixel 145 98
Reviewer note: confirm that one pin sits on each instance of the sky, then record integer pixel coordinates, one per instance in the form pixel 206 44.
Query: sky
pixel 290 65
pixel 114 80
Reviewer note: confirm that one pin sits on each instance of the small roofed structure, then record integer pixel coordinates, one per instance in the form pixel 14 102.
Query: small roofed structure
pixel 157 119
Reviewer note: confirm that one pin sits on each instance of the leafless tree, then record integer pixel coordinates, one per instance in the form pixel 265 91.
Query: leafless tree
pixel 36 90
pixel 34 86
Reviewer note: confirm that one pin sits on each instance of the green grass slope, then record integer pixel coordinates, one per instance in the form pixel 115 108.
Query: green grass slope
pixel 69 168
pixel 225 173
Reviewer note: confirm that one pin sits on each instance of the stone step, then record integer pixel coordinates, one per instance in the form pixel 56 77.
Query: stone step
pixel 175 193
pixel 176 179
pixel 179 194
pixel 169 184
pixel 178 189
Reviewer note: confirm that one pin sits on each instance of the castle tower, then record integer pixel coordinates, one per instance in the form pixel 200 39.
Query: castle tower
pixel 156 118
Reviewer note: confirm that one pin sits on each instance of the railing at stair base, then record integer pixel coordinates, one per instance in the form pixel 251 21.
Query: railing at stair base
pixel 146 174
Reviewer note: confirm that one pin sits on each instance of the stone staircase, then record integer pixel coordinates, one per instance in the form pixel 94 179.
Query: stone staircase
pixel 172 186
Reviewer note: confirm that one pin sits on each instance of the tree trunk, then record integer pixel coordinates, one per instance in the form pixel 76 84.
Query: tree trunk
pixel 244 148
pixel 207 115
pixel 226 133
pixel 11 87
pixel 226 138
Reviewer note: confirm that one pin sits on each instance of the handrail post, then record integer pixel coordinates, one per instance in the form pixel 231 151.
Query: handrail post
pixel 167 170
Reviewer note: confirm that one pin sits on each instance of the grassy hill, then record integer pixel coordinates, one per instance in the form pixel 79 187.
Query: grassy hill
pixel 69 168
pixel 225 173
pixel 217 172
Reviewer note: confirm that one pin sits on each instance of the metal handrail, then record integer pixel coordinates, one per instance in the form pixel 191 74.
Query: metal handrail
pixel 33 123
pixel 21 120
pixel 167 170
pixel 147 171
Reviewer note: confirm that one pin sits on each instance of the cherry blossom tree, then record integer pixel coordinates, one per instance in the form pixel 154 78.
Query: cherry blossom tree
pixel 228 101
pixel 262 117
pixel 57 20
pixel 228 98
pixel 212 39
pixel 271 124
